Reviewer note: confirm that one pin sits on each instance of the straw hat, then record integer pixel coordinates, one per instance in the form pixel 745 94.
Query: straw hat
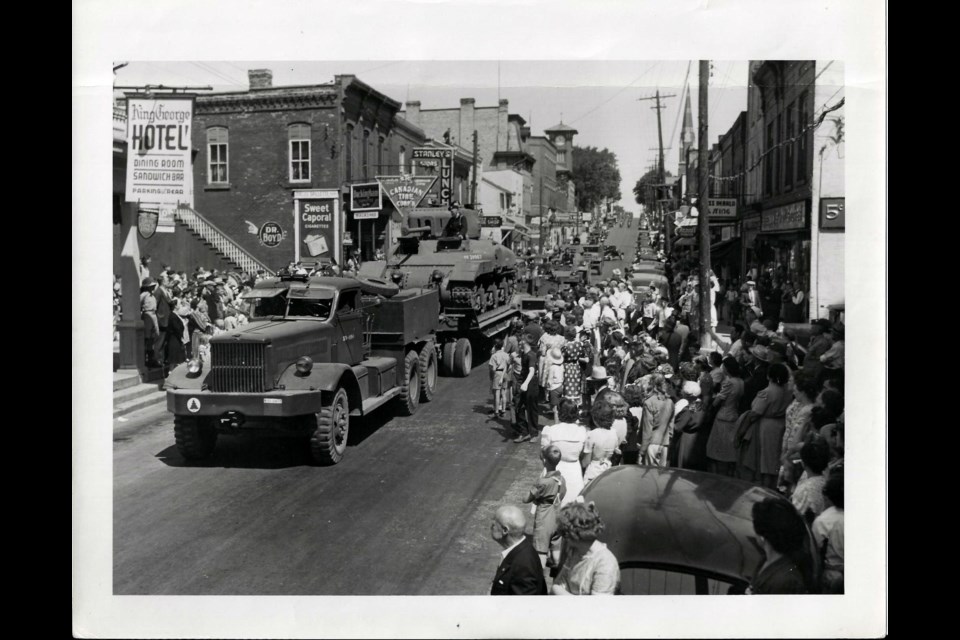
pixel 599 373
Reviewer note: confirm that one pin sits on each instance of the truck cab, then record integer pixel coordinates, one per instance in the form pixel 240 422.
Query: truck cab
pixel 318 351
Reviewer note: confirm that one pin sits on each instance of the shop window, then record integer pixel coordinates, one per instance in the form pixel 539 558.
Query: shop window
pixel 299 137
pixel 217 155
pixel 801 144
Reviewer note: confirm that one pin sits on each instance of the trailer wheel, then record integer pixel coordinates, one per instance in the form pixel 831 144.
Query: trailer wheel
pixel 428 372
pixel 446 364
pixel 462 358
pixel 409 398
pixel 196 437
pixel 329 441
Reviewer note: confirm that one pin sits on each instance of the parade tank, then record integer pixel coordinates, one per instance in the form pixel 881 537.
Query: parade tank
pixel 476 278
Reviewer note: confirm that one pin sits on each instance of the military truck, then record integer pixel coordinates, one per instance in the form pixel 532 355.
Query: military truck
pixel 319 351
pixel 593 253
pixel 475 277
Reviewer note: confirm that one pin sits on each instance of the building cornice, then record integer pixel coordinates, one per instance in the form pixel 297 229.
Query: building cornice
pixel 285 99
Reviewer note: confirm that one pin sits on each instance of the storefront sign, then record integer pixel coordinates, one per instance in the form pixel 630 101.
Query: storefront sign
pixel 687 232
pixel 832 213
pixel 159 166
pixel 722 207
pixel 317 228
pixel 406 192
pixel 791 216
pixel 365 197
pixel 491 221
pixel 440 161
pixel 270 234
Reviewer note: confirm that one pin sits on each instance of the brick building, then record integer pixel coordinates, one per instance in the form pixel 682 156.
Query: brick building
pixel 500 144
pixel 789 182
pixel 254 149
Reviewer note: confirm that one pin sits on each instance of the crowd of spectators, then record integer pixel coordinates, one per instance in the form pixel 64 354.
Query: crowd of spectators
pixel 621 378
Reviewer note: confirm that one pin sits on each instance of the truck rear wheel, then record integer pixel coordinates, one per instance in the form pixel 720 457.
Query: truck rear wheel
pixel 329 441
pixel 409 398
pixel 446 365
pixel 462 358
pixel 428 372
pixel 196 437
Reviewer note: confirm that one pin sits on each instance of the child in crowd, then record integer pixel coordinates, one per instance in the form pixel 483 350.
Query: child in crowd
pixel 203 350
pixel 499 363
pixel 554 380
pixel 546 495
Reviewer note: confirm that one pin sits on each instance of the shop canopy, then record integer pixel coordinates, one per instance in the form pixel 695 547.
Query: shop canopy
pixel 685 242
pixel 723 249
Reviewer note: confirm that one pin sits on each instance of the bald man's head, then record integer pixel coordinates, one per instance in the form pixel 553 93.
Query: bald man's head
pixel 508 525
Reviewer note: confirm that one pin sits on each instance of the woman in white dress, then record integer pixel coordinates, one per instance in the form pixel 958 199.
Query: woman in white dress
pixel 602 442
pixel 569 436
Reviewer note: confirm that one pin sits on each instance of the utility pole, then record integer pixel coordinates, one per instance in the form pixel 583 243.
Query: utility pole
pixel 473 185
pixel 703 222
pixel 541 213
pixel 661 178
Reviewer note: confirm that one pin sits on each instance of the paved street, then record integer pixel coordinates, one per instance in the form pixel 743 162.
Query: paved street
pixel 406 512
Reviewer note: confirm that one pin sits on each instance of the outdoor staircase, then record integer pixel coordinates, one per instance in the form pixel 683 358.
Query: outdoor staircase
pixel 219 242
pixel 130 394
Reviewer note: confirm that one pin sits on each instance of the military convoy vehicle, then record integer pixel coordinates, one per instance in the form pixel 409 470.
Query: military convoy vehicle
pixel 475 278
pixel 318 352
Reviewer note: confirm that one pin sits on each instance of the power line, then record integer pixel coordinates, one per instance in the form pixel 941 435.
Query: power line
pixel 800 134
pixel 622 89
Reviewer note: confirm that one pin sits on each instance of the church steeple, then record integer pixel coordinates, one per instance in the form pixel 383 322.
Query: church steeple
pixel 688 135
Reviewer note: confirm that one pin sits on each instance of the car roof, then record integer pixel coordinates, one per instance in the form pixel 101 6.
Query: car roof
pixel 680 518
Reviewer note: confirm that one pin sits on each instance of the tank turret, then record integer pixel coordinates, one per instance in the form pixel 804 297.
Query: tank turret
pixel 439 248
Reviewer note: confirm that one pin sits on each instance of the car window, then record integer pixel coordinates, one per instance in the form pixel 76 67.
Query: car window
pixel 347 302
pixel 636 581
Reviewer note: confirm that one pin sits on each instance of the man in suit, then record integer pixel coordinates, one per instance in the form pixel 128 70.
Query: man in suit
pixel 520 572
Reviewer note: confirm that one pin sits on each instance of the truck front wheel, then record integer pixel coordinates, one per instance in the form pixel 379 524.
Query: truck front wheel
pixel 329 441
pixel 196 437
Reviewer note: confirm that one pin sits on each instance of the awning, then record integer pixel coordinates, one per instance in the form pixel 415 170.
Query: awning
pixel 685 242
pixel 723 249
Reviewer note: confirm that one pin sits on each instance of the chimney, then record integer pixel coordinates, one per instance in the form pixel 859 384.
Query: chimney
pixel 413 112
pixel 260 78
pixel 504 104
pixel 467 122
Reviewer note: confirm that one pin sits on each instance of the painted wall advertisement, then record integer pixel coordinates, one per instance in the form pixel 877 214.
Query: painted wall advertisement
pixel 317 225
pixel 159 169
pixel 437 162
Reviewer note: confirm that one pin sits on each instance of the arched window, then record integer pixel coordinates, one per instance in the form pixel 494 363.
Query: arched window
pixel 381 160
pixel 217 141
pixel 348 153
pixel 403 159
pixel 299 137
pixel 365 154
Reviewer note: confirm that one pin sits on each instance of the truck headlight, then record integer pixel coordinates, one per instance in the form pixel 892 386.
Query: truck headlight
pixel 304 365
pixel 194 367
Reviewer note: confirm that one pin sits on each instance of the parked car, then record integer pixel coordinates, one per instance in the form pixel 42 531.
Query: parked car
pixel 680 532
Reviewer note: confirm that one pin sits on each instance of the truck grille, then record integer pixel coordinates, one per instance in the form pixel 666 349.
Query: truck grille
pixel 238 368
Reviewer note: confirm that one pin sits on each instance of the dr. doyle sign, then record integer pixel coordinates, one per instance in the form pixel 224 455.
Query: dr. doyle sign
pixel 317 227
pixel 158 150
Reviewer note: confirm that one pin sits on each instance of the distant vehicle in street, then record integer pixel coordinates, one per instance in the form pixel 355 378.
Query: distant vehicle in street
pixel 681 532
pixel 318 352
pixel 593 253
pixel 640 282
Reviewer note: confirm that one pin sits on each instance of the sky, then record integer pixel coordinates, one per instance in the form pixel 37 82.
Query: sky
pixel 601 99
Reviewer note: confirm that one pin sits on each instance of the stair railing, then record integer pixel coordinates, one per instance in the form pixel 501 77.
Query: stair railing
pixel 220 241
